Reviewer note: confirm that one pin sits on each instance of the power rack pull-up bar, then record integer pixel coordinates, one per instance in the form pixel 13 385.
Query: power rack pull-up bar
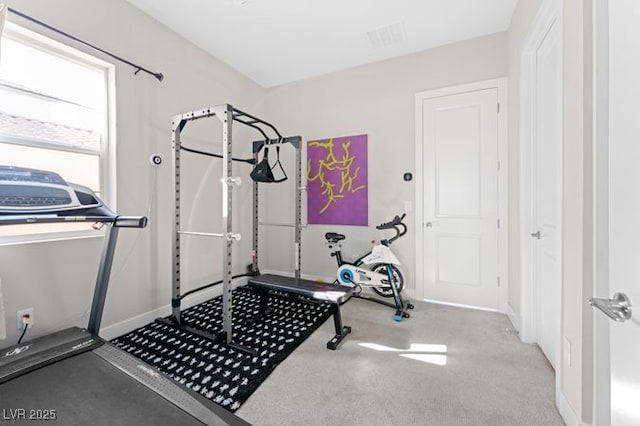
pixel 209 154
pixel 227 114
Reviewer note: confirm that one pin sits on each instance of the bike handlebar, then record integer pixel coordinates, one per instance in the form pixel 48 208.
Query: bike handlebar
pixel 395 224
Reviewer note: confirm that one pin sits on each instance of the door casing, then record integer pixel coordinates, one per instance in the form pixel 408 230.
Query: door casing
pixel 503 172
pixel 549 14
pixel 601 344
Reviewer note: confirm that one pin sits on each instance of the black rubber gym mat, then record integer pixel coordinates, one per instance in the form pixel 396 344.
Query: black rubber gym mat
pixel 222 374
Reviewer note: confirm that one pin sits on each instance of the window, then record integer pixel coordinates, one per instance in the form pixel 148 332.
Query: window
pixel 54 115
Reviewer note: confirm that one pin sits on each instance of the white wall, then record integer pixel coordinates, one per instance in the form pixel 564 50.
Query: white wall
pixel 378 100
pixel 57 278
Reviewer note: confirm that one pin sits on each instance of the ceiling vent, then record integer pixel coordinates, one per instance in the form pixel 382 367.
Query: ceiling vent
pixel 387 36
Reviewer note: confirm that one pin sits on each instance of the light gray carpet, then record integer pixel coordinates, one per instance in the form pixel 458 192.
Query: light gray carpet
pixel 490 377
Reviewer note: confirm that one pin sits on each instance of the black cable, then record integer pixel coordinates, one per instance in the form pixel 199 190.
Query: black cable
pixel 24 330
pixel 209 154
pixel 138 68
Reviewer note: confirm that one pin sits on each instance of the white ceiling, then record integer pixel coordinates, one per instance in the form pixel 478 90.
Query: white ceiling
pixel 278 41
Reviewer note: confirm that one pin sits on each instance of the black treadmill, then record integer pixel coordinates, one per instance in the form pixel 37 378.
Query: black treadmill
pixel 74 377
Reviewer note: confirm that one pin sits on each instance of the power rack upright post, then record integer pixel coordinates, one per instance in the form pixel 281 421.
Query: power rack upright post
pixel 296 142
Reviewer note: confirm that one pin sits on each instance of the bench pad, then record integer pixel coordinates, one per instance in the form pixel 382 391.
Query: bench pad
pixel 312 289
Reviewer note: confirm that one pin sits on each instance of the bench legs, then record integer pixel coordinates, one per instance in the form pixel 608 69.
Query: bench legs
pixel 341 330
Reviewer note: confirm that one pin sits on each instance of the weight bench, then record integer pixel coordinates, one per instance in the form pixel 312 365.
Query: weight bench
pixel 325 293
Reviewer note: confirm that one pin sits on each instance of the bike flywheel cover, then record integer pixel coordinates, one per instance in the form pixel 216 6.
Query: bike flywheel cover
pixel 346 276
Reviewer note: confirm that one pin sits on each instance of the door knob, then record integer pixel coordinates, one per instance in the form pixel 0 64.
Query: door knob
pixel 618 308
pixel 536 234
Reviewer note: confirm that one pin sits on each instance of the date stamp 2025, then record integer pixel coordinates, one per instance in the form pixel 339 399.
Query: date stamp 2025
pixel 22 414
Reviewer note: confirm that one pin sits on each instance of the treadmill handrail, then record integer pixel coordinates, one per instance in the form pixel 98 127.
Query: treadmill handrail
pixel 100 214
pixel 131 222
pixel 118 221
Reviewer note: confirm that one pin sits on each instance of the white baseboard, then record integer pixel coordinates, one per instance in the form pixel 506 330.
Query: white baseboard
pixel 566 411
pixel 515 319
pixel 118 329
pixel 458 305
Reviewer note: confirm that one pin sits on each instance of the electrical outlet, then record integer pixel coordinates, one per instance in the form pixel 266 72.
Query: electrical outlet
pixel 22 313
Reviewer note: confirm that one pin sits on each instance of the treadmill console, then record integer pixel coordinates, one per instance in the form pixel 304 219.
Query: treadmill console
pixel 32 191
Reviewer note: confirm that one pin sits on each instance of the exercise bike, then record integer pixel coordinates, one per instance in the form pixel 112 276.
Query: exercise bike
pixel 378 269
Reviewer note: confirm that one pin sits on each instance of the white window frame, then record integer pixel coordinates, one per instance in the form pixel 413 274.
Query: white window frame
pixel 107 153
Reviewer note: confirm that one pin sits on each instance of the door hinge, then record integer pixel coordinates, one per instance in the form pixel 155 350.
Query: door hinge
pixel 498 281
pixel 498 108
pixel 498 223
pixel 498 165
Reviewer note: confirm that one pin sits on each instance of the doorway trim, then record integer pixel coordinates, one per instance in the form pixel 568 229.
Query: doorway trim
pixel 503 182
pixel 601 344
pixel 550 13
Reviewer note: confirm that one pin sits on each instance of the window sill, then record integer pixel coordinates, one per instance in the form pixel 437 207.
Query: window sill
pixel 14 240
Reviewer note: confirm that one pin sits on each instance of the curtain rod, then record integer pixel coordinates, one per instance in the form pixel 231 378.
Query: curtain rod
pixel 138 68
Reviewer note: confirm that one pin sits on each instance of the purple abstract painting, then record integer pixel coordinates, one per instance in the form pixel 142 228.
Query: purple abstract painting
pixel 337 185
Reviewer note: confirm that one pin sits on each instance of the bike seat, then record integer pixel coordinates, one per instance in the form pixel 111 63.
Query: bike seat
pixel 332 237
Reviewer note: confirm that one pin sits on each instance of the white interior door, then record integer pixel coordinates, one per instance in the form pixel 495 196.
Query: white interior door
pixel 624 207
pixel 545 194
pixel 460 212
